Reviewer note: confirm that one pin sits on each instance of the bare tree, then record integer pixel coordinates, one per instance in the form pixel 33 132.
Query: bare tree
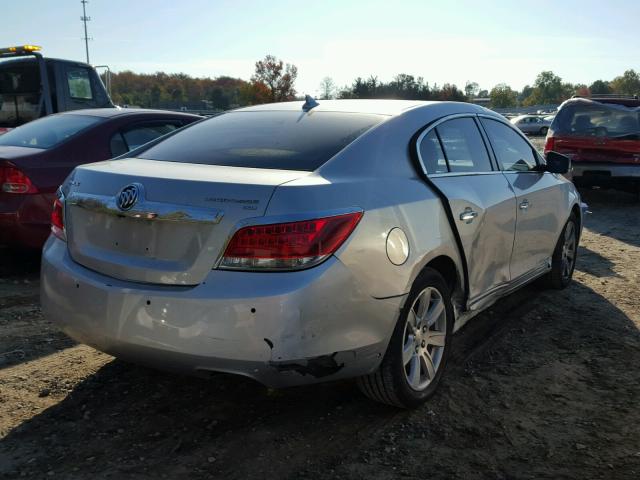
pixel 327 88
pixel 277 77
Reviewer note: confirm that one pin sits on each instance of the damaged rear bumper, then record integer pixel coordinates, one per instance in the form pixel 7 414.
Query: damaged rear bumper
pixel 280 329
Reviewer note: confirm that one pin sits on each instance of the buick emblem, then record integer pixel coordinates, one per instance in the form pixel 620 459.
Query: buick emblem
pixel 128 196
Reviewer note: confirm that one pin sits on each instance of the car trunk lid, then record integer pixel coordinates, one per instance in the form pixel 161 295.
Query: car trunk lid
pixel 178 227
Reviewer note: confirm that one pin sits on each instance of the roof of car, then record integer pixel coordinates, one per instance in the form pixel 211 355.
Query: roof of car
pixel 380 107
pixel 115 112
pixel 626 102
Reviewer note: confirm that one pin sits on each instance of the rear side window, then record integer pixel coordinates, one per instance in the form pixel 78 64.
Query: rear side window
pixel 512 151
pixel 463 146
pixel 289 140
pixel 49 131
pixel 593 119
pixel 135 137
pixel 79 84
pixel 432 155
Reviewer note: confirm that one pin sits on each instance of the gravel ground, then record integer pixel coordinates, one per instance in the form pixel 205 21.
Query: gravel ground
pixel 544 385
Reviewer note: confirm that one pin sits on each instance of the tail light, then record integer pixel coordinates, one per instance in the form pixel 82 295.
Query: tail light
pixel 13 180
pixel 288 246
pixel 57 220
pixel 549 144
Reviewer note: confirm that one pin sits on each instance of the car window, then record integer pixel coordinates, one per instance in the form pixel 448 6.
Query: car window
pixel 118 145
pixel 463 146
pixel 288 140
pixel 512 151
pixel 137 136
pixel 49 131
pixel 79 84
pixel 432 155
pixel 593 119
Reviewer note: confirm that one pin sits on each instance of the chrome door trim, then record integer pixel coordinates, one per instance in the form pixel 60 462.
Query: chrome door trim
pixel 441 120
pixel 145 209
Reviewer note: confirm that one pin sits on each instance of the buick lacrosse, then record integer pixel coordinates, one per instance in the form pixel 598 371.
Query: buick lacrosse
pixel 309 241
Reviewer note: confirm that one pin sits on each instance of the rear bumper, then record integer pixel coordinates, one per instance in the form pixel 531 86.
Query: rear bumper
pixel 606 175
pixel 24 219
pixel 609 169
pixel 280 329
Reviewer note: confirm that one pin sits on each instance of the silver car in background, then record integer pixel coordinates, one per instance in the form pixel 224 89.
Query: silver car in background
pixel 301 242
pixel 532 124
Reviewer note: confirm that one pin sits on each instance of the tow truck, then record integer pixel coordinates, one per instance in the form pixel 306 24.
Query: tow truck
pixel 32 86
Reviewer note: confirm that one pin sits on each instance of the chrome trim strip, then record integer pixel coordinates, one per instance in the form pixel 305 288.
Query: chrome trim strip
pixel 146 210
pixel 428 130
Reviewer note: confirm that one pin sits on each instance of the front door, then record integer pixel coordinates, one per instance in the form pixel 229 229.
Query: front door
pixel 537 196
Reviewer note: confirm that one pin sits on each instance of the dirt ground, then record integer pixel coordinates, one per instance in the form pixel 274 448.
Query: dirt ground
pixel 544 385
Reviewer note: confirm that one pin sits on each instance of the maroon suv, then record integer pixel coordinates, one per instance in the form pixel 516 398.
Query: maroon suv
pixel 35 158
pixel 601 135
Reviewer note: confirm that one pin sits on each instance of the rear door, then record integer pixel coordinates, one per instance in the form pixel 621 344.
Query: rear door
pixel 538 196
pixel 482 202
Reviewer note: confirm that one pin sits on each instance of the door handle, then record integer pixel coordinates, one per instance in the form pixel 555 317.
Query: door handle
pixel 524 205
pixel 468 215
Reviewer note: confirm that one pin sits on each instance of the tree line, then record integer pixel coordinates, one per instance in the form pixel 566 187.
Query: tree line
pixel 274 81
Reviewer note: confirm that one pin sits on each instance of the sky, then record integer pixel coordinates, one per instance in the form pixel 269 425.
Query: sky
pixel 441 41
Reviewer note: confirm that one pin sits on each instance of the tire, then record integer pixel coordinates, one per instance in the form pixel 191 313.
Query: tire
pixel 543 131
pixel 563 261
pixel 396 381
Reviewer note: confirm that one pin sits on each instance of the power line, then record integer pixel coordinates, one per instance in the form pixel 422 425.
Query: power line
pixel 85 19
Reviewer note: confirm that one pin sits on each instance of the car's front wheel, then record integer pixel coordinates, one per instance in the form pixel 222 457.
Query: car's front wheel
pixel 543 131
pixel 419 347
pixel 563 261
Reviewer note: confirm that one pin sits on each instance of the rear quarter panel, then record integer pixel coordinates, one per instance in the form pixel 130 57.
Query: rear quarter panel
pixel 376 173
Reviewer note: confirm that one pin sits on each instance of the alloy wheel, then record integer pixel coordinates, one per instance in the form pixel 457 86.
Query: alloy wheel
pixel 568 250
pixel 424 338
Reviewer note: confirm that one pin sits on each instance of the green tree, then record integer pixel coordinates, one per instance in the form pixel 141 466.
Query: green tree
pixel 600 87
pixel 471 89
pixel 277 77
pixel 626 84
pixel 548 88
pixel 502 96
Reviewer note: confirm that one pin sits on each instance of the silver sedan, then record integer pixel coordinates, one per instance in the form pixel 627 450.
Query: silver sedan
pixel 301 242
pixel 532 124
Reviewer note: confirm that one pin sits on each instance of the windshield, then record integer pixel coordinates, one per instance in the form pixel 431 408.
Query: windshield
pixel 19 94
pixel 593 119
pixel 48 131
pixel 289 140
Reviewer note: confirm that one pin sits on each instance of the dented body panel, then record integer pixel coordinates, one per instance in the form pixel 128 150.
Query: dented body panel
pixel 333 320
pixel 270 329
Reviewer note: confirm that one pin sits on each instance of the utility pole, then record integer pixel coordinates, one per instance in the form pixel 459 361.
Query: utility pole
pixel 85 19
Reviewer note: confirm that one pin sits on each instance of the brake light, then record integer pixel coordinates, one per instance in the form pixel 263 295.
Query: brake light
pixel 288 246
pixel 549 144
pixel 57 220
pixel 13 180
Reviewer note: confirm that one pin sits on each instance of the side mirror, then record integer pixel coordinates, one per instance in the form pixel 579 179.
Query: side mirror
pixel 557 163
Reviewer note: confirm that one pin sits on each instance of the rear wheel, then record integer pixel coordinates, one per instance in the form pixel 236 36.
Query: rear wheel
pixel 417 353
pixel 563 261
pixel 544 130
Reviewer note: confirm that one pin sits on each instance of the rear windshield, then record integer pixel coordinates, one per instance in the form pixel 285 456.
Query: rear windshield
pixel 48 132
pixel 288 140
pixel 19 94
pixel 594 119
